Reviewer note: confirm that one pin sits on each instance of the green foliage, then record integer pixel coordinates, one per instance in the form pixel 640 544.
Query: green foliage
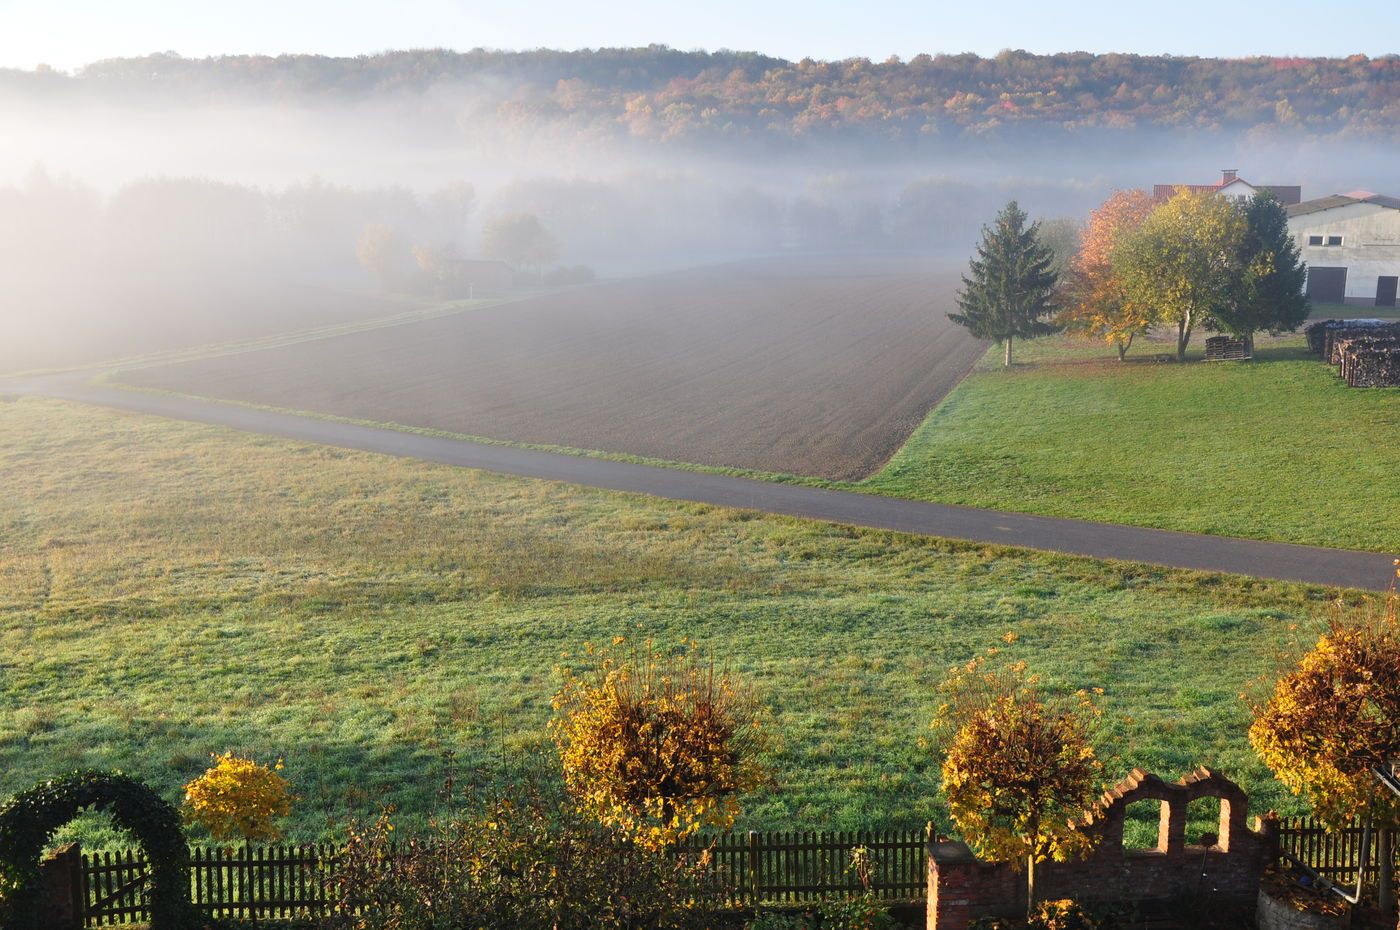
pixel 1010 287
pixel 28 821
pixel 1269 290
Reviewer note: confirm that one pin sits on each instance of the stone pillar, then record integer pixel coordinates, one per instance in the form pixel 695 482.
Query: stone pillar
pixel 61 875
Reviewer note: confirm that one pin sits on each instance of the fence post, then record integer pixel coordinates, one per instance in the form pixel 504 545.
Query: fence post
pixel 61 874
pixel 753 868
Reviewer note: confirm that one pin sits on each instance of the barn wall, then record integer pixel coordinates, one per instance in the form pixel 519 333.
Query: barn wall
pixel 1370 245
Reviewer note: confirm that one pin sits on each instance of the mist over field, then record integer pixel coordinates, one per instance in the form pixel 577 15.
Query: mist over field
pixel 149 204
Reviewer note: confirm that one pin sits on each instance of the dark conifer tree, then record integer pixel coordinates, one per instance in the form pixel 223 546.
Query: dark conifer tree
pixel 1270 291
pixel 1010 285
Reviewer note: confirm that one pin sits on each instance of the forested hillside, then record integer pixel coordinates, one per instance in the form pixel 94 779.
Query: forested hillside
pixel 667 95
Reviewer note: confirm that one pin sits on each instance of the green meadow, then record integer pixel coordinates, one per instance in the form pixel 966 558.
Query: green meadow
pixel 1276 448
pixel 170 590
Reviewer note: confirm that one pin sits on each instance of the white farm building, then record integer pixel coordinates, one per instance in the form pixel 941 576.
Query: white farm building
pixel 1351 243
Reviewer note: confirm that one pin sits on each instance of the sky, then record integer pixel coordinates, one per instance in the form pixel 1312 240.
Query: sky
pixel 67 34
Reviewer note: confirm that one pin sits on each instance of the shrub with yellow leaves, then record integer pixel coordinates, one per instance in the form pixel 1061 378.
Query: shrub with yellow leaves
pixel 1019 764
pixel 657 745
pixel 238 798
pixel 1333 720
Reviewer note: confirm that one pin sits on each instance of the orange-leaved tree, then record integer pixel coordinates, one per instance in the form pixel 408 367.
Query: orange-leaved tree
pixel 1095 302
pixel 1333 721
pixel 657 744
pixel 1019 763
pixel 239 798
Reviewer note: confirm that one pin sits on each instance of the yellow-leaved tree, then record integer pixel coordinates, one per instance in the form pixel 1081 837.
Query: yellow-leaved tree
pixel 1332 722
pixel 239 798
pixel 1019 764
pixel 656 744
pixel 1182 263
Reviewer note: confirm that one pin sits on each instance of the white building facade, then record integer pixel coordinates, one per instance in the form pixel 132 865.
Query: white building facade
pixel 1351 243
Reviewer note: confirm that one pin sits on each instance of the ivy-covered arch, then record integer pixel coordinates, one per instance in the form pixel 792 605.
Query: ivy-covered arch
pixel 29 820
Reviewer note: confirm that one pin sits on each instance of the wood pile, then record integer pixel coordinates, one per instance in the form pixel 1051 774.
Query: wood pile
pixel 1370 361
pixel 1226 348
pixel 1352 329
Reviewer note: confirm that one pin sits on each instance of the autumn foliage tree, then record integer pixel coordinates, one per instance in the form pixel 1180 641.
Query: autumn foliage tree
pixel 1182 264
pixel 658 745
pixel 239 798
pixel 1019 763
pixel 1095 302
pixel 1332 721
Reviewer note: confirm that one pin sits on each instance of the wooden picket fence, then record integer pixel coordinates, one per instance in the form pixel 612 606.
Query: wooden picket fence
pixel 784 868
pixel 1334 854
pixel 801 868
pixel 249 883
pixel 275 882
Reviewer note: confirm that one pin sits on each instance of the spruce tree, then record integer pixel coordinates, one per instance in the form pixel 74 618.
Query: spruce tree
pixel 1269 293
pixel 1011 282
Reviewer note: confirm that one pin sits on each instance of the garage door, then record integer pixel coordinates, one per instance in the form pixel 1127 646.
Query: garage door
pixel 1327 285
pixel 1385 290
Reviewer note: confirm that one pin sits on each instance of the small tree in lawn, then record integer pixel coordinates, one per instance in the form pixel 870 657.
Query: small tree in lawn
pixel 1333 720
pixel 239 798
pixel 658 745
pixel 1269 289
pixel 1019 764
pixel 1183 261
pixel 1094 299
pixel 1010 287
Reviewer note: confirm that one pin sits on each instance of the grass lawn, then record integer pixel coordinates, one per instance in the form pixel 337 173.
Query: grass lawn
pixel 1277 448
pixel 169 590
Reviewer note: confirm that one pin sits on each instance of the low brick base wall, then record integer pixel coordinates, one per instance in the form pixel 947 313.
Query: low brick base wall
pixel 963 888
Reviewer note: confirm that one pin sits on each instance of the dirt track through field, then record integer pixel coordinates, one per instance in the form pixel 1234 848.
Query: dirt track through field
pixel 811 366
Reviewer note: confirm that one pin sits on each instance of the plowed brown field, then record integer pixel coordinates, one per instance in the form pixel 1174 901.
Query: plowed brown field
pixel 814 367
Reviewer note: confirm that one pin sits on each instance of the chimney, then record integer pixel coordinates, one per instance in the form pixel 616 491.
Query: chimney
pixel 1227 175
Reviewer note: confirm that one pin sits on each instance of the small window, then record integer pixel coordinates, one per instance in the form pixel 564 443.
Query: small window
pixel 1334 240
pixel 1314 240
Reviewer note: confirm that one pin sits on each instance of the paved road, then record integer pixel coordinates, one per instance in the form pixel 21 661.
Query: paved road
pixel 1101 540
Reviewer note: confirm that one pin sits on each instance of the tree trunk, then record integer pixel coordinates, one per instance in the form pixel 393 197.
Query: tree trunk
pixel 1183 335
pixel 1030 886
pixel 1385 876
pixel 1008 353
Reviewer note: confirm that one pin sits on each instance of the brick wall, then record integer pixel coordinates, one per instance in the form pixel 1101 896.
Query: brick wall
pixel 963 888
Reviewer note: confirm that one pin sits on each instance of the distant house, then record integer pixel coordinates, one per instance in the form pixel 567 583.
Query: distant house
pixel 1232 185
pixel 1351 243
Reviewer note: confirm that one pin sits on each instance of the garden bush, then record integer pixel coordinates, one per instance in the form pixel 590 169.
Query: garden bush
pixel 521 860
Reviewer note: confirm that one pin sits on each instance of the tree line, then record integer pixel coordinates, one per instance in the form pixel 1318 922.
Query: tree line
pixel 1195 260
pixel 667 95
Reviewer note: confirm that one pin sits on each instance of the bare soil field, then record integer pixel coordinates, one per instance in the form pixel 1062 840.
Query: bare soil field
pixel 806 366
pixel 171 316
